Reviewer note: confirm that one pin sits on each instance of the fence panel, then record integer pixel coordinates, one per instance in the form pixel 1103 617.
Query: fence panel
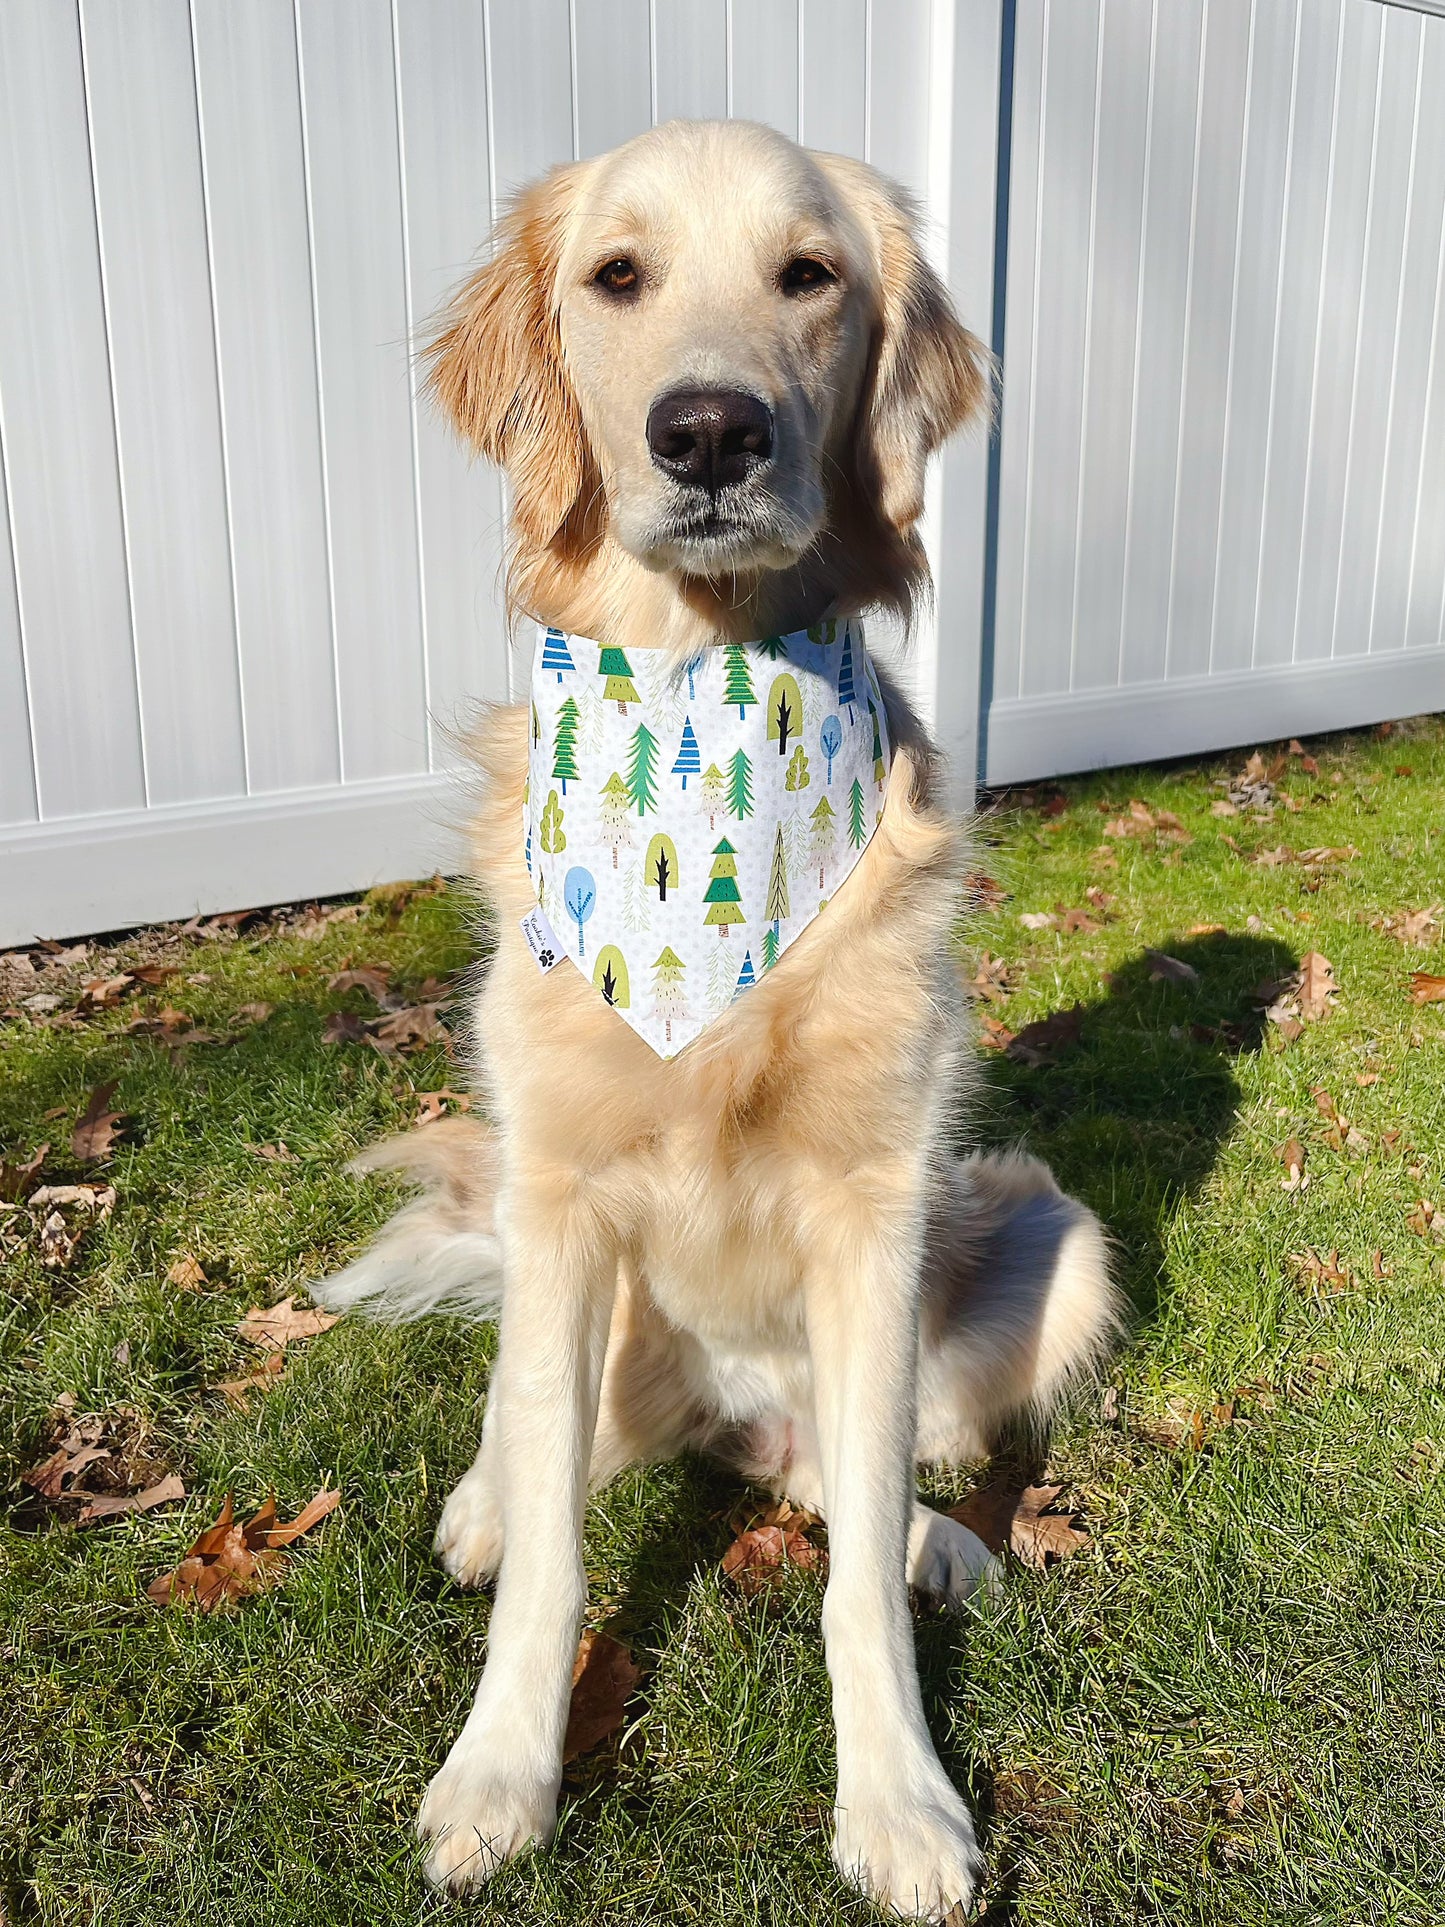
pixel 1221 500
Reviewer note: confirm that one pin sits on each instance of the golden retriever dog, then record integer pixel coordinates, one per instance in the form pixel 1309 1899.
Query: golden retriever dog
pixel 714 367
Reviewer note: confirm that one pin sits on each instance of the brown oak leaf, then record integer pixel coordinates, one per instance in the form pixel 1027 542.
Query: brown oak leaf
pixel 99 1126
pixel 1425 988
pixel 604 1678
pixel 1005 1513
pixel 273 1330
pixel 229 1560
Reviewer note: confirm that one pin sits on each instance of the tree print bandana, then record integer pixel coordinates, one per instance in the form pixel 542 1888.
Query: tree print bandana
pixel 684 826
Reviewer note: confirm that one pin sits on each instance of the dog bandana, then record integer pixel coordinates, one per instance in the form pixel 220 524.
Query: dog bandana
pixel 684 826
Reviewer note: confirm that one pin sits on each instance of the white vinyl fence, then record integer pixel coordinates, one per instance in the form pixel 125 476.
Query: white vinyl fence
pixel 247 583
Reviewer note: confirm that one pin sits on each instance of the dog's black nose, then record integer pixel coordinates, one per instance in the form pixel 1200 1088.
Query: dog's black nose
pixel 709 437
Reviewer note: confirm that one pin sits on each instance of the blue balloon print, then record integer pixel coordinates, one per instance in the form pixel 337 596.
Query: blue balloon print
pixel 580 893
pixel 830 737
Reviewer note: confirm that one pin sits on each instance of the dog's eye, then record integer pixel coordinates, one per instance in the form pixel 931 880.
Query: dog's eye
pixel 803 273
pixel 617 277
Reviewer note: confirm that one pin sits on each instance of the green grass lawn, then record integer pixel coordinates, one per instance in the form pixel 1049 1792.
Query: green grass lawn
pixel 1230 1709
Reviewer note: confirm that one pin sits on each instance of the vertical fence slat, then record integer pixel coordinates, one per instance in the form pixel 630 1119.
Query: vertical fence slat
pixel 614 73
pixel 1256 300
pixel 167 409
pixel 529 48
pixel 1377 341
pixel 691 73
pixel 1020 345
pixel 1351 190
pixel 442 71
pixel 1213 272
pixel 1168 208
pixel 250 116
pixel 764 64
pixel 1114 292
pixel 69 542
pixel 1414 475
pixel 359 286
pixel 1062 320
pixel 835 76
pixel 17 765
pixel 1293 363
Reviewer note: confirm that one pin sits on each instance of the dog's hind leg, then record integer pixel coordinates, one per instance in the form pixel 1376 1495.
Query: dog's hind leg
pixel 1017 1303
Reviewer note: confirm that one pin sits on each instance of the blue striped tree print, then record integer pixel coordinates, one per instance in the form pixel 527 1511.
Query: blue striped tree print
pixel 688 763
pixel 555 653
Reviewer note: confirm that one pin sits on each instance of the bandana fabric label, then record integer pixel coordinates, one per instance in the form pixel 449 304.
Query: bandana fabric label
pixel 684 826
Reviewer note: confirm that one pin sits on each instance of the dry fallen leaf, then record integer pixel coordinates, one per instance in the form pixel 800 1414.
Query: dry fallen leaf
pixel 1426 1221
pixel 604 1678
pixel 262 1377
pixel 1038 920
pixel 374 980
pixel 1006 1514
pixel 273 1330
pixel 104 993
pixel 1292 1157
pixel 759 1556
pixel 274 1153
pixel 113 1505
pixel 433 1104
pixel 1426 988
pixel 185 1273
pixel 98 1128
pixel 66 1462
pixel 1324 1276
pixel 1036 1043
pixel 17 1174
pixel 344 1027
pixel 1316 986
pixel 254 1013
pixel 1419 927
pixel 406 1030
pixel 1167 969
pixel 228 1560
pixel 983 892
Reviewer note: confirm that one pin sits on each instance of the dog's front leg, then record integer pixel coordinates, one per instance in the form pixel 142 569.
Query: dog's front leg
pixel 497 1791
pixel 902 1833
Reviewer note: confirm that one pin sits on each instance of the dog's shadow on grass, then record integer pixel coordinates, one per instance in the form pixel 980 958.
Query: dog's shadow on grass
pixel 1133 1111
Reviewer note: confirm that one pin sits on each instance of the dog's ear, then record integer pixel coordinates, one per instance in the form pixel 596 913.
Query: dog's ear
pixel 927 374
pixel 494 363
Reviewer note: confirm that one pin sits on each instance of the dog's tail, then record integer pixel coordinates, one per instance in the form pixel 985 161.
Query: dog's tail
pixel 441 1252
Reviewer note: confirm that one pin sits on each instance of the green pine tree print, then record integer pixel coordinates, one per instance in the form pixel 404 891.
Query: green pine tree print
pixel 619 687
pixel 740 785
pixel 823 835
pixel 641 769
pixel 856 829
pixel 770 946
pixel 739 688
pixel 564 754
pixel 612 815
pixel 669 998
pixel 777 904
pixel 722 895
pixel 712 794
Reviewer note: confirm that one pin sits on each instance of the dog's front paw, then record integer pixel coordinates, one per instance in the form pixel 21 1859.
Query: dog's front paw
pixel 917 1857
pixel 476 1822
pixel 469 1533
pixel 949 1562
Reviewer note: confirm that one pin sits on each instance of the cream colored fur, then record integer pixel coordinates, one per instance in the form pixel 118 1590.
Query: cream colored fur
pixel 763 1246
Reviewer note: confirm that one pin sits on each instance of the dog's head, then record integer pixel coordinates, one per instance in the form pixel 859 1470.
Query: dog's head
pixel 716 350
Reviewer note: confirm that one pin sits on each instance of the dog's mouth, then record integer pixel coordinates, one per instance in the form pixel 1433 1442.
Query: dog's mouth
pixel 736 529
